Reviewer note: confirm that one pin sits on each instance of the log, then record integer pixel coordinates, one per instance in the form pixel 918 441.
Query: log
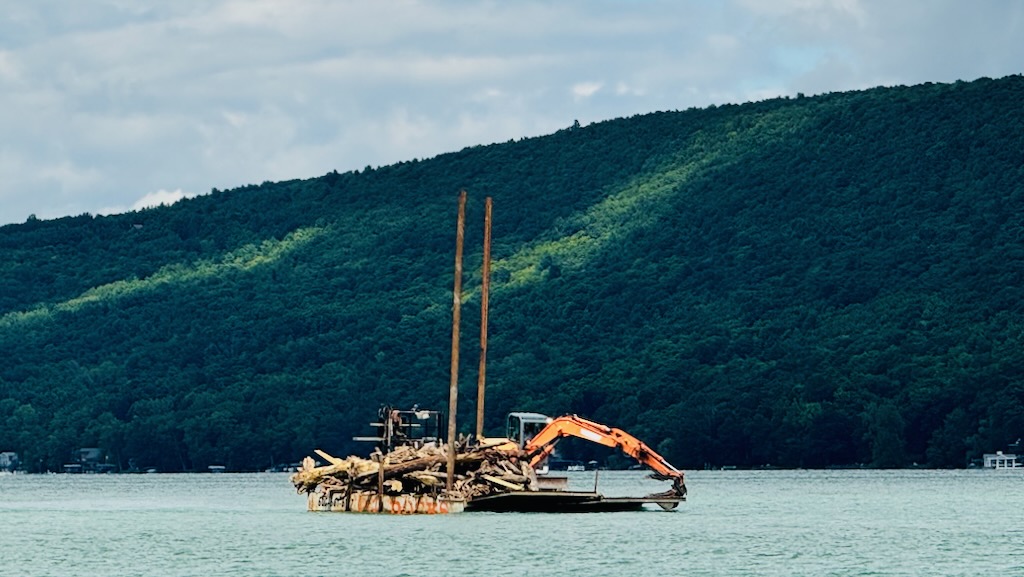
pixel 402 468
pixel 422 463
pixel 503 483
pixel 418 471
pixel 328 458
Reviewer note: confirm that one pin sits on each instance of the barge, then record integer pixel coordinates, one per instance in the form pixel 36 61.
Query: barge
pixel 416 469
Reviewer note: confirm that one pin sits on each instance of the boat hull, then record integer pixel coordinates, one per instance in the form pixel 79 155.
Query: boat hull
pixel 370 502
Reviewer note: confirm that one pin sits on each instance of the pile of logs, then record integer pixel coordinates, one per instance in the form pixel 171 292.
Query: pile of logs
pixel 479 471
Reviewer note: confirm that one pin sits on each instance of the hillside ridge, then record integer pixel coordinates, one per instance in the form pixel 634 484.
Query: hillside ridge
pixel 832 280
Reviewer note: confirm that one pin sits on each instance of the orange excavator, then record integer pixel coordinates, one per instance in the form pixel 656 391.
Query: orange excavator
pixel 538 442
pixel 531 436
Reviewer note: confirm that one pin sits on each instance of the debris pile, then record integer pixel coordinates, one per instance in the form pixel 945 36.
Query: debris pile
pixel 479 471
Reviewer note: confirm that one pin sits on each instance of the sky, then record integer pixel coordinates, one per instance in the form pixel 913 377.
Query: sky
pixel 110 106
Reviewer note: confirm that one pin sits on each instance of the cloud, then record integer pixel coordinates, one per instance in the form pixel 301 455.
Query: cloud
pixel 100 102
pixel 623 88
pixel 9 72
pixel 160 198
pixel 150 200
pixel 585 90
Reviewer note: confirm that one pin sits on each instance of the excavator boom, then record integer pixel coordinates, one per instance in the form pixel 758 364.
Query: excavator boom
pixel 543 444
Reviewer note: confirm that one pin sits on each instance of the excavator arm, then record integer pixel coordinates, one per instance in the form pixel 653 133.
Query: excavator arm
pixel 543 444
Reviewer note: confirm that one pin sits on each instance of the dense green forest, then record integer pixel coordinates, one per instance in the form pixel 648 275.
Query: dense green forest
pixel 833 280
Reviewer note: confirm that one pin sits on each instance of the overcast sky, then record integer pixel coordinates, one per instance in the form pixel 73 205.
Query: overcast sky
pixel 113 105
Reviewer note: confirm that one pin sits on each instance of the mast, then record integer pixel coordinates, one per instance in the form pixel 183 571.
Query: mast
pixel 484 295
pixel 453 390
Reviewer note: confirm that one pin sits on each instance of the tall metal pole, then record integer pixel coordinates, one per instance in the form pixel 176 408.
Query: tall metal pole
pixel 453 391
pixel 484 296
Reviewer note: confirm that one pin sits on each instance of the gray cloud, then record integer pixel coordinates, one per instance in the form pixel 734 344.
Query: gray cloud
pixel 103 104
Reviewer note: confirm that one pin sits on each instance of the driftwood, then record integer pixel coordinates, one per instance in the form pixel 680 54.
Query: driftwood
pixel 407 470
pixel 406 467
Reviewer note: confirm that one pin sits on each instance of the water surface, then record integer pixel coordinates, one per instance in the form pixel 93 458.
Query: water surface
pixel 785 523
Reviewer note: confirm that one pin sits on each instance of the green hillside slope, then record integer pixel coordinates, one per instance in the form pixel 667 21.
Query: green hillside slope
pixel 820 281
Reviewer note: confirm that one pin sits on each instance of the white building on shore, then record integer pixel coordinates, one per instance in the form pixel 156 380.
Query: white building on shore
pixel 1001 460
pixel 8 461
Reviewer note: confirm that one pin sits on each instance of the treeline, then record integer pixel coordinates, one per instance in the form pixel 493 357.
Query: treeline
pixel 825 281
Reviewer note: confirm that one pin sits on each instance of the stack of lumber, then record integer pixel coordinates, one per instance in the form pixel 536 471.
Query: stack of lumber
pixel 479 471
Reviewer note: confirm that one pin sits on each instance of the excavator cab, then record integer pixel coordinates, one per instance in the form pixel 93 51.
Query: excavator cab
pixel 522 427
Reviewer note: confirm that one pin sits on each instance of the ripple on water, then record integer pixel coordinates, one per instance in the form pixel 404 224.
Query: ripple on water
pixel 764 523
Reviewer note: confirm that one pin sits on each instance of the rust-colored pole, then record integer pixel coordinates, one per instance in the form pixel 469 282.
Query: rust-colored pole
pixel 453 390
pixel 380 482
pixel 484 296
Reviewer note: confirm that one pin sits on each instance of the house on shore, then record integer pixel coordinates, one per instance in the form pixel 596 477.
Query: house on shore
pixel 1001 460
pixel 89 460
pixel 9 461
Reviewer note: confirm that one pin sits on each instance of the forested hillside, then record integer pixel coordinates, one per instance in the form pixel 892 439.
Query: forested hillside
pixel 820 281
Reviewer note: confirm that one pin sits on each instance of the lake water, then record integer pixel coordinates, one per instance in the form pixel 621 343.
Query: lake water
pixel 785 523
